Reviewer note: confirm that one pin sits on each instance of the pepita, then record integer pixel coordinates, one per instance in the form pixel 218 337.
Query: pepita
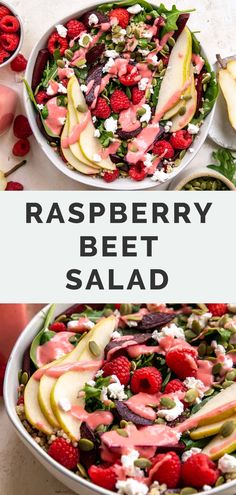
pixel 85 444
pixel 123 423
pixel 121 432
pixel 167 402
pixel 191 396
pixel 188 491
pixel 220 481
pixel 182 111
pixel 94 348
pixel 142 463
pixel 202 349
pixel 231 375
pixel 227 428
pixel 82 471
pixel 171 41
pixel 24 378
pixel 216 368
pixel 69 54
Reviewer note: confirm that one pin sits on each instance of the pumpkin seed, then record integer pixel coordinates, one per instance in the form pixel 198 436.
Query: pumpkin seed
pixel 107 312
pixel 191 396
pixel 196 327
pixel 202 349
pixel 123 423
pixel 188 491
pixel 186 97
pixel 94 348
pixel 159 421
pixel 61 64
pixel 216 368
pixel 141 111
pixel 209 392
pixel 160 66
pixel 100 429
pixel 206 78
pixel 182 110
pixel 69 54
pixel 231 375
pixel 220 481
pixel 82 471
pixel 24 378
pixel 182 154
pixel 189 335
pixel 81 62
pixel 73 340
pixel 227 428
pixel 85 444
pixel 166 48
pixel 167 402
pixel 133 365
pixel 171 41
pixel 126 309
pixel 121 432
pixel 19 376
pixel 227 383
pixel 162 73
pixel 142 463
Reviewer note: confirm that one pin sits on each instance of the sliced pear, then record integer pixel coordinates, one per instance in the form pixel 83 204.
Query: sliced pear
pixel 228 87
pixel 3 181
pixel 182 102
pixel 180 121
pixel 69 384
pixel 177 74
pixel 231 67
pixel 209 430
pixel 78 161
pixel 89 144
pixel 220 445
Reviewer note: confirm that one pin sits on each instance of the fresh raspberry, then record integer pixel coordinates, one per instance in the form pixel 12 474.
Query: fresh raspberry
pixel 41 97
pixel 137 95
pixel 101 476
pixel 131 77
pixel 119 101
pixel 175 386
pixel 64 453
pixel 21 127
pixel 20 400
pixel 138 171
pixel 4 11
pixel 58 326
pixel 198 471
pixel 9 42
pixel 102 109
pixel 146 380
pixel 217 309
pixel 14 186
pixel 2 374
pixel 169 471
pixel 21 147
pixel 122 15
pixel 163 148
pixel 181 140
pixel 182 360
pixel 19 63
pixel 9 24
pixel 119 367
pixel 74 28
pixel 56 42
pixel 111 176
pixel 3 55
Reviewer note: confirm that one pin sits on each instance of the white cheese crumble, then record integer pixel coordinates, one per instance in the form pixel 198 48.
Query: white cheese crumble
pixel 110 125
pixel 85 39
pixel 193 129
pixel 159 176
pixel 108 65
pixel 135 9
pixel 40 106
pixel 191 150
pixel 147 34
pixel 186 455
pixel 62 120
pixel 131 487
pixel 93 19
pixel 192 383
pixel 232 308
pixel 171 414
pixel 111 54
pixel 143 83
pixel 97 133
pixel 115 335
pixel 218 348
pixel 83 88
pixel 99 373
pixel 74 324
pixel 227 464
pixel 113 391
pixel 171 330
pixel 206 488
pixel 96 158
pixel 62 31
pixel 64 404
pixel 146 117
pixel 201 319
pixel 168 126
pixel 91 383
pixel 144 52
pixel 94 119
pixel 153 59
pixel 61 89
pixel 148 160
pixel 127 462
pixel 120 38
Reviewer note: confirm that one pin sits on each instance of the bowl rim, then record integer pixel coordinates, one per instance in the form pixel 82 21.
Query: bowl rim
pixel 28 440
pixel 205 173
pixel 16 52
pixel 94 182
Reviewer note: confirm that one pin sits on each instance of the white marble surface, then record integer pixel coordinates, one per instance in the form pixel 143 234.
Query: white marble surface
pixel 214 18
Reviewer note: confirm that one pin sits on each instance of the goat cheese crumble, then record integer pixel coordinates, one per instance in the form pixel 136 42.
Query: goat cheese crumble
pixel 131 487
pixel 135 9
pixel 93 19
pixel 110 125
pixel 62 31
pixel 171 330
pixel 193 129
pixel 147 115
pixel 227 464
pixel 186 455
pixel 171 414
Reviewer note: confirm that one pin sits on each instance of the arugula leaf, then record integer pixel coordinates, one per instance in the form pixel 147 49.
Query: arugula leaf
pixel 37 340
pixel 189 443
pixel 91 314
pixel 226 164
pixel 125 3
pixel 50 72
pixel 210 96
pixel 92 394
pixel 196 46
pixel 171 17
pixel 30 94
pixel 46 336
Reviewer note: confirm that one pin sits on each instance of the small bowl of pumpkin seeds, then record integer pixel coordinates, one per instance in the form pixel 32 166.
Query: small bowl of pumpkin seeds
pixel 204 180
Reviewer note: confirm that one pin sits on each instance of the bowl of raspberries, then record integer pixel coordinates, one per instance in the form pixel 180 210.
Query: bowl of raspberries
pixel 11 34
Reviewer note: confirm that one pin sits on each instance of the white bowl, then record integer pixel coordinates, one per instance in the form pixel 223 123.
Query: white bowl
pixel 178 184
pixel 124 184
pixel 12 9
pixel 72 481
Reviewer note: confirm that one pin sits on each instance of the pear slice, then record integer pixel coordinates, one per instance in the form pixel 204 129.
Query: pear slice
pixel 89 144
pixel 3 181
pixel 180 121
pixel 231 68
pixel 209 430
pixel 177 74
pixel 228 87
pixel 77 160
pixel 69 384
pixel 182 102
pixel 220 445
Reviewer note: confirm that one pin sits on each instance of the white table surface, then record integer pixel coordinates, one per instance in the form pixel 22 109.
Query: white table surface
pixel 214 18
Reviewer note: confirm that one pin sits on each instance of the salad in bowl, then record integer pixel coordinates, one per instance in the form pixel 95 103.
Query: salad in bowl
pixel 135 399
pixel 121 92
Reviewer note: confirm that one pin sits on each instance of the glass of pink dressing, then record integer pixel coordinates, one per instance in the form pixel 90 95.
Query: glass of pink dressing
pixel 8 102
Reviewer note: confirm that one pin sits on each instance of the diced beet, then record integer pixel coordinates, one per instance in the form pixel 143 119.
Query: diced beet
pixel 95 74
pixel 139 338
pixel 199 89
pixel 128 134
pixel 88 458
pixel 155 320
pixel 181 23
pixel 126 414
pixel 102 18
pixel 95 53
pixel 39 66
pixel 116 159
pixel 179 449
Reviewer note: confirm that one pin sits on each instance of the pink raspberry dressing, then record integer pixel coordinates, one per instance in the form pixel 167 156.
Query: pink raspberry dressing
pixel 75 134
pixel 60 369
pixel 8 102
pixel 55 348
pixel 93 419
pixel 56 116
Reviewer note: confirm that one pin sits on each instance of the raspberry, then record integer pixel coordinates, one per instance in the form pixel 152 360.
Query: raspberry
pixel 131 77
pixel 20 400
pixel 41 97
pixel 101 476
pixel 9 24
pixel 146 380
pixel 217 309
pixel 119 367
pixel 102 109
pixel 14 186
pixel 4 11
pixel 163 148
pixel 58 326
pixel 169 471
pixel 122 15
pixel 137 95
pixel 181 140
pixel 111 176
pixel 182 361
pixel 2 374
pixel 56 42
pixel 3 55
pixel 74 28
pixel 21 127
pixel 138 171
pixel 119 101
pixel 175 386
pixel 21 147
pixel 198 471
pixel 64 453
pixel 9 42
pixel 19 63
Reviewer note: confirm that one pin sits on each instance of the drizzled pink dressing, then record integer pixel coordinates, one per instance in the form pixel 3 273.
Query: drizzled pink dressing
pixel 60 369
pixel 142 143
pixel 138 404
pixel 198 62
pixel 56 116
pixel 191 423
pixel 92 419
pixel 55 348
pixel 204 372
pixel 66 72
pixel 75 134
pixel 111 149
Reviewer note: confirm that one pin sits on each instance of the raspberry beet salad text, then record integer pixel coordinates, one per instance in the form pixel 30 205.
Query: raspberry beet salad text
pixel 122 90
pixel 139 399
